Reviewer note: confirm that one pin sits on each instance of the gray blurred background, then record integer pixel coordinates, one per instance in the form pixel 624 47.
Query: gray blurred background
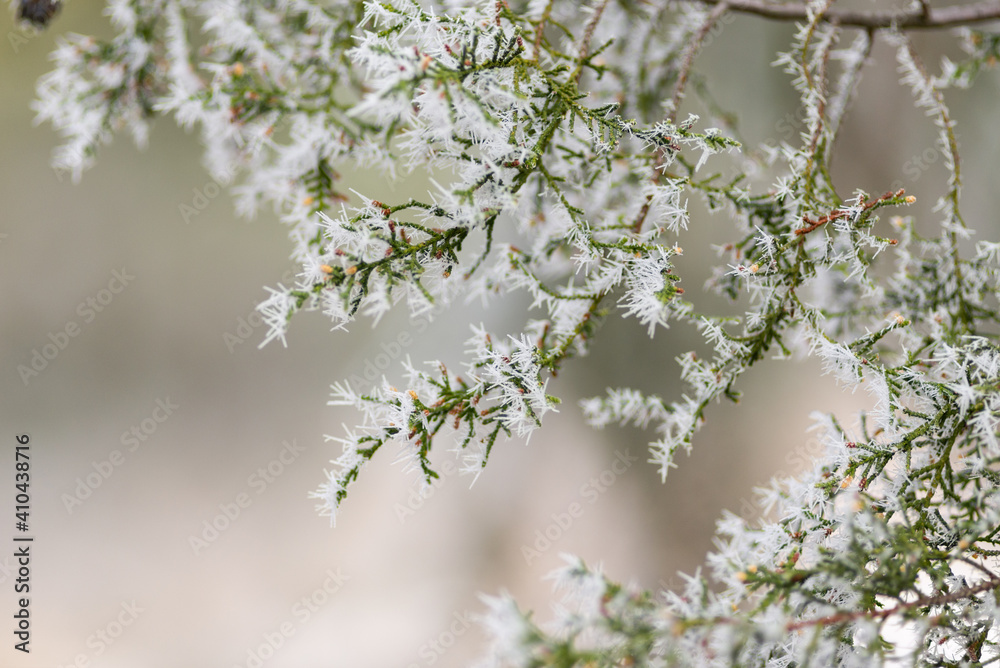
pixel 116 580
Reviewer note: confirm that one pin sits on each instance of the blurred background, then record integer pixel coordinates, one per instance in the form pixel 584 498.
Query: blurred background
pixel 171 459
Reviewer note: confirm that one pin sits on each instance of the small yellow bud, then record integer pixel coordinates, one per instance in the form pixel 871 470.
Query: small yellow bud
pixel 308 201
pixel 963 544
pixel 752 568
pixel 350 271
pixel 845 483
pixel 754 268
pixel 413 395
pixel 237 69
pixel 741 576
pixel 909 199
pixel 678 250
pixel 326 269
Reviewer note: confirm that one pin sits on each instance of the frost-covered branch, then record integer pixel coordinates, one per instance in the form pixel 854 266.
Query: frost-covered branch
pixel 560 169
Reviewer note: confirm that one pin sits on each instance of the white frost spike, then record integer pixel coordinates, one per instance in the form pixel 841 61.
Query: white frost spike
pixel 274 312
pixel 644 297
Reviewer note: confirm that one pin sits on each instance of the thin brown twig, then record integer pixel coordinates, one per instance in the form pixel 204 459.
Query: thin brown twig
pixel 588 34
pixel 925 8
pixel 675 101
pixel 820 89
pixel 539 32
pixel 990 574
pixel 918 17
pixel 923 601
pixel 814 21
pixel 693 47
pixel 644 211
pixel 840 213
pixel 948 126
pixel 843 617
pixel 850 87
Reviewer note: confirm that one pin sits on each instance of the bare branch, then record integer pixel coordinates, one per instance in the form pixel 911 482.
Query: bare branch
pixel 920 16
pixel 588 34
pixel 540 31
pixel 692 50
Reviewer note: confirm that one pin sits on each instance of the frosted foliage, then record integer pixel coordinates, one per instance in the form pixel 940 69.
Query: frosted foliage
pixel 561 167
